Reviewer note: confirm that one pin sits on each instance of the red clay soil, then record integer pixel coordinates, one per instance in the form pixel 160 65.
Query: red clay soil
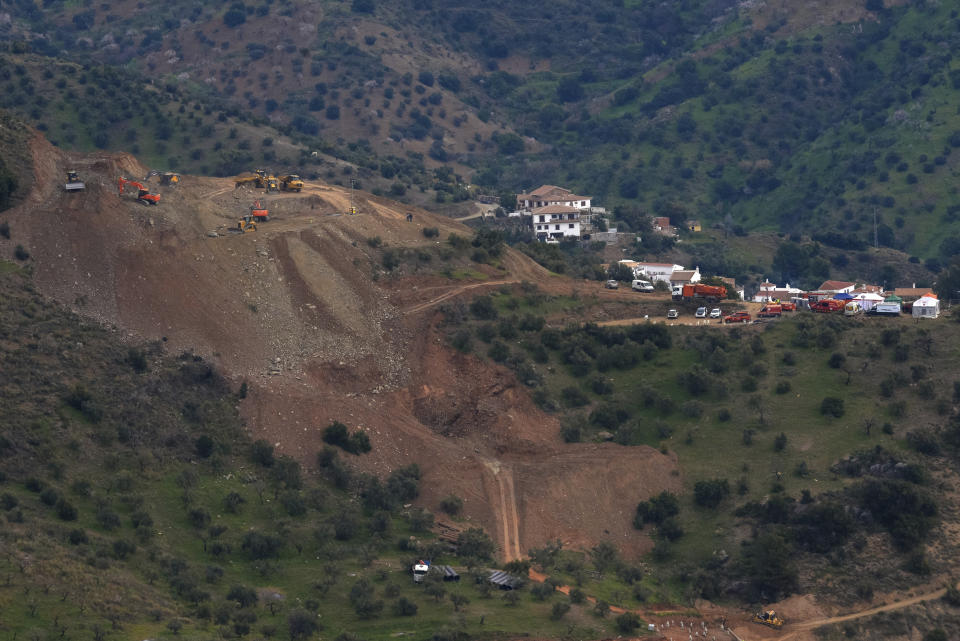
pixel 293 310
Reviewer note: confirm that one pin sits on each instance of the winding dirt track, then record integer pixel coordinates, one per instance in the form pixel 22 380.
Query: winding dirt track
pixel 799 628
pixel 456 292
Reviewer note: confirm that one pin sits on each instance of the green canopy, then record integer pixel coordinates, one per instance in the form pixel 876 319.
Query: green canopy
pixel 893 298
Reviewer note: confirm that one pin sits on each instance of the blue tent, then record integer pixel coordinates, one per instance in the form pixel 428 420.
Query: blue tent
pixel 843 297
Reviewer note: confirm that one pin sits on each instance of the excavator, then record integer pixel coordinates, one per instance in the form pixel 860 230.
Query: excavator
pixel 143 194
pixel 73 181
pixel 291 182
pixel 259 213
pixel 768 618
pixel 167 178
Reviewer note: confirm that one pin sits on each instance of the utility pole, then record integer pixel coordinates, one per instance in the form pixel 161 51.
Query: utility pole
pixel 353 187
pixel 876 243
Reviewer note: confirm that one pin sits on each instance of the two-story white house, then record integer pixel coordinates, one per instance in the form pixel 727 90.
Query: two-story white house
pixel 556 222
pixel 547 195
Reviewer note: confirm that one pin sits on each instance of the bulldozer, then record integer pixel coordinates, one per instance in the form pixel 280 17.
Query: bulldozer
pixel 245 224
pixel 291 182
pixel 768 618
pixel 73 182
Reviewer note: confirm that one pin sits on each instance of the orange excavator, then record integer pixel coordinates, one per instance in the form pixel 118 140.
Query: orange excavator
pixel 143 194
pixel 259 213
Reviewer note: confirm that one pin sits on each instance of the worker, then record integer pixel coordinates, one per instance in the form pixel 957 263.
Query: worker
pixel 409 218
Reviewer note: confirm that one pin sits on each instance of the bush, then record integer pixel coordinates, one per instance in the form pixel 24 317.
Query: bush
pixel 656 510
pixel 832 406
pixel 482 308
pixel 559 609
pixel 837 360
pixel 780 442
pixel 431 232
pixel 452 504
pixel 710 493
pixel 627 623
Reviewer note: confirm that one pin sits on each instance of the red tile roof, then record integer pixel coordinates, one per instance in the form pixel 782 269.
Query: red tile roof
pixel 833 285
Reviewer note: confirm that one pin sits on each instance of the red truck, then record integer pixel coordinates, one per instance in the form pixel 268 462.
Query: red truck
pixel 771 310
pixel 709 292
pixel 827 305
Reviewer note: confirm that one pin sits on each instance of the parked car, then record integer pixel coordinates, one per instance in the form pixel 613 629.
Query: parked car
pixel 701 312
pixel 715 312
pixel 642 286
pixel 737 317
pixel 672 314
pixel 612 284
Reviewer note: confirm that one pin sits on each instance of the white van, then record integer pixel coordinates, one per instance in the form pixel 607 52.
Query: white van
pixel 852 308
pixel 641 286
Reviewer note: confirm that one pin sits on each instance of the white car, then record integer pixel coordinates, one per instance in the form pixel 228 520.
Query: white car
pixel 701 312
pixel 715 312
pixel 612 284
pixel 672 314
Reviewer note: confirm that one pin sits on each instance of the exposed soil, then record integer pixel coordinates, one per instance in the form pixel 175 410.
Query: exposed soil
pixel 293 310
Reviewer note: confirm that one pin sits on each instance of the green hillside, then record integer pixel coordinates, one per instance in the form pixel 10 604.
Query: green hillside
pixel 782 431
pixel 766 119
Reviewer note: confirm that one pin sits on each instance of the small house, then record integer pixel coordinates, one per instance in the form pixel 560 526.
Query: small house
pixel 693 225
pixel 926 307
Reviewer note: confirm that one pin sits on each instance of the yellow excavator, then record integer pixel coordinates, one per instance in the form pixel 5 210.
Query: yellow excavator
pixel 291 182
pixel 768 618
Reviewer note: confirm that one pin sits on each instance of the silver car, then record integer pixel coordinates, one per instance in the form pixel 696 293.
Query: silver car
pixel 672 314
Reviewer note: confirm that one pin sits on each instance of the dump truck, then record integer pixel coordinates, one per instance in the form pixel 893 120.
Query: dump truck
pixel 291 182
pixel 709 292
pixel 771 310
pixel 167 178
pixel 73 182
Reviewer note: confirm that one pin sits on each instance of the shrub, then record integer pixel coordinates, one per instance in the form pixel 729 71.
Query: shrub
pixel 832 406
pixel 782 387
pixel 452 504
pixel 837 360
pixel 709 493
pixel 656 510
pixel 375 241
pixel 627 623
pixel 482 308
pixel 780 442
pixel 559 609
pixel 431 232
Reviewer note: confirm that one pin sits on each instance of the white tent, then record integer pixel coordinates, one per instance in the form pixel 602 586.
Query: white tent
pixel 868 300
pixel 926 307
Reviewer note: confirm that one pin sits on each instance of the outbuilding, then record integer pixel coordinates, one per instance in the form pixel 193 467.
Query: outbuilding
pixel 926 307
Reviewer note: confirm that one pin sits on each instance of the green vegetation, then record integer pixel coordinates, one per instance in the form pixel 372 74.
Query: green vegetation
pixel 124 470
pixel 769 425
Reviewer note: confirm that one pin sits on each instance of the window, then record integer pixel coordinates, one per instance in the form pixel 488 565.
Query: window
pixel 542 218
pixel 556 226
pixel 570 225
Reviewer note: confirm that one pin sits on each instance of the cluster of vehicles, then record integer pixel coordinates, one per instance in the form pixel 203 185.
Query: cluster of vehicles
pixel 263 179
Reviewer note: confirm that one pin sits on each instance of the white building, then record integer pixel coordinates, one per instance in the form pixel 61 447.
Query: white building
pixel 681 277
pixel 836 287
pixel 769 292
pixel 654 271
pixel 556 222
pixel 547 195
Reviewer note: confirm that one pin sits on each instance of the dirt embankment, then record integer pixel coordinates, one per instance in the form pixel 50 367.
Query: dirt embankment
pixel 294 310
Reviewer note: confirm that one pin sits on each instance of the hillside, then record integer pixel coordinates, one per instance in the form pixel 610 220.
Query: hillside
pixel 776 116
pixel 326 317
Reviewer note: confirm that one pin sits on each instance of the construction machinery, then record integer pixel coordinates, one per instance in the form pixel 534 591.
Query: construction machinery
pixel 291 182
pixel 259 213
pixel 245 224
pixel 167 178
pixel 73 182
pixel 143 194
pixel 768 618
pixel 261 180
